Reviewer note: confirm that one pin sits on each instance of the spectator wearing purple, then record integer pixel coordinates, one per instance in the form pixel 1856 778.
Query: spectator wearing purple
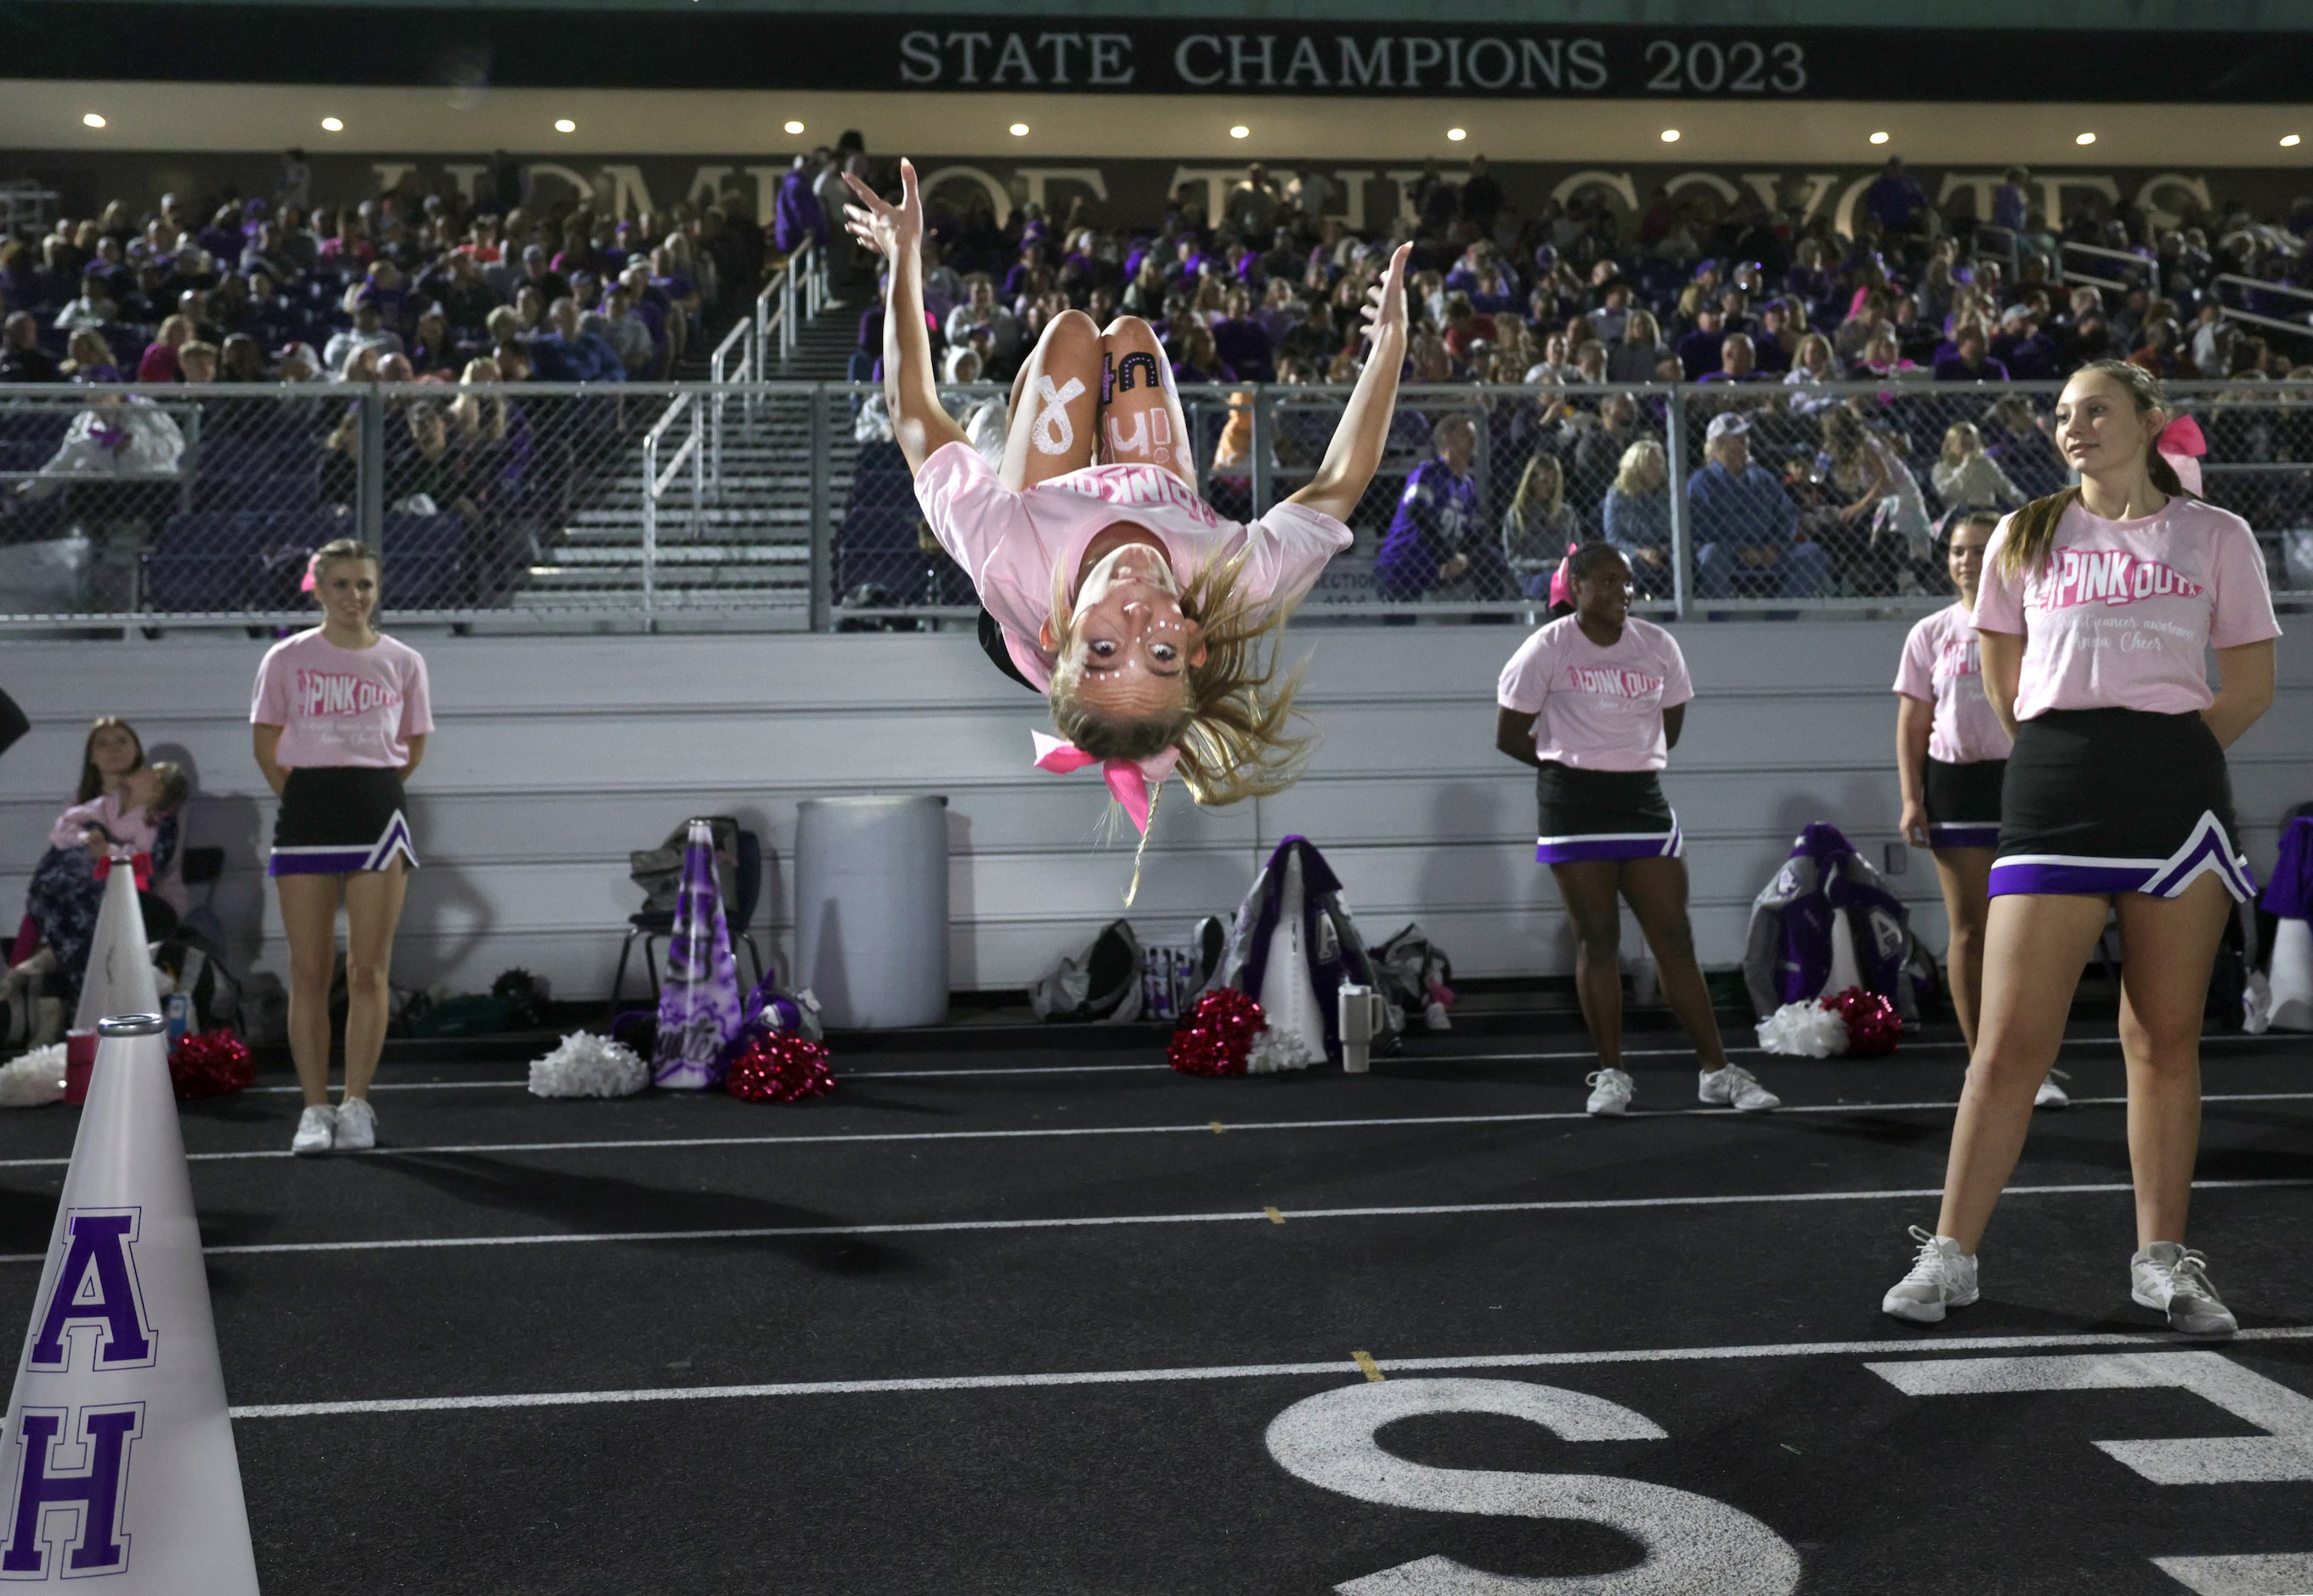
pixel 1971 361
pixel 797 214
pixel 1243 344
pixel 2028 354
pixel 1436 534
pixel 1894 200
pixel 1200 360
pixel 1745 526
pixel 1701 350
pixel 568 353
pixel 2009 203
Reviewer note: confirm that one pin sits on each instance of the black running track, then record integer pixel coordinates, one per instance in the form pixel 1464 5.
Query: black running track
pixel 1017 1320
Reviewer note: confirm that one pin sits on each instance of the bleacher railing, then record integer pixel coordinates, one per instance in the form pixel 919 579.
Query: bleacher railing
pixel 785 506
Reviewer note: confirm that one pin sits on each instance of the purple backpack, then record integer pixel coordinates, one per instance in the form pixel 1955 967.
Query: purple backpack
pixel 1794 920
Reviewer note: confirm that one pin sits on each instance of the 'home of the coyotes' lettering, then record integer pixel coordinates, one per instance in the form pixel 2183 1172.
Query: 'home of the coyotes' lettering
pixel 2107 577
pixel 335 693
pixel 1141 485
pixel 1613 681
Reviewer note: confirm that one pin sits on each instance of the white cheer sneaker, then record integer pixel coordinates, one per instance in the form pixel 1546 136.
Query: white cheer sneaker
pixel 317 1130
pixel 356 1125
pixel 1734 1086
pixel 2050 1095
pixel 2170 1278
pixel 1942 1277
pixel 1609 1091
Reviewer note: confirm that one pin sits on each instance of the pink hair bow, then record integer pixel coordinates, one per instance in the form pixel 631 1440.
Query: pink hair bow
pixel 1133 781
pixel 2181 445
pixel 1562 580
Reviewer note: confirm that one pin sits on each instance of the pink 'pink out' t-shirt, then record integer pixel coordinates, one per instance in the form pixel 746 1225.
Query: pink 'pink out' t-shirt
pixel 1010 541
pixel 1597 709
pixel 342 706
pixel 1941 667
pixel 2122 613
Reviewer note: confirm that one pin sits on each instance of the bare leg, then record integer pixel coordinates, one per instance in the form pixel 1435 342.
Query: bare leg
pixel 1140 420
pixel 2034 947
pixel 2168 946
pixel 373 911
pixel 1588 889
pixel 309 919
pixel 1055 404
pixel 1657 891
pixel 1965 874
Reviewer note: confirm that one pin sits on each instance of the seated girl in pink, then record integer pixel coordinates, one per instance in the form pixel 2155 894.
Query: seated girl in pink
pixel 1146 619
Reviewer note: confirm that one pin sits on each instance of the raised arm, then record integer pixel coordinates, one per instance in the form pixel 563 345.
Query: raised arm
pixel 1355 454
pixel 919 423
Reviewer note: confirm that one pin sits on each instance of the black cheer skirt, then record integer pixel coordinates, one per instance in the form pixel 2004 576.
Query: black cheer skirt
pixel 338 819
pixel 1964 803
pixel 1593 815
pixel 2101 801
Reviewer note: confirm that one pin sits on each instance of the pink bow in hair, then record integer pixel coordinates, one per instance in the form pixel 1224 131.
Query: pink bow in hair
pixel 1562 580
pixel 1133 781
pixel 2181 445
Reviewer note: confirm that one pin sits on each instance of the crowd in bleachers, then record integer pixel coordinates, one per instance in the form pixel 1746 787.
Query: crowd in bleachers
pixel 410 287
pixel 1936 306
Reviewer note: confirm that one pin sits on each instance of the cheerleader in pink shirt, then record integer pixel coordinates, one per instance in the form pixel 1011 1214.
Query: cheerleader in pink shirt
pixel 1951 754
pixel 1145 619
pixel 2097 608
pixel 340 720
pixel 1595 702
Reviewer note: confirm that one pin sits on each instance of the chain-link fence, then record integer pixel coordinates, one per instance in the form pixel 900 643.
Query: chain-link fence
pixel 788 505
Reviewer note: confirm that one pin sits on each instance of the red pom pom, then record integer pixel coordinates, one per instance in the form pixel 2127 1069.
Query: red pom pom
pixel 1873 1025
pixel 779 1068
pixel 1217 1038
pixel 210 1064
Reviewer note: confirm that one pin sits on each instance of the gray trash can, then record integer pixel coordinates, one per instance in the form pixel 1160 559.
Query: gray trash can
pixel 871 910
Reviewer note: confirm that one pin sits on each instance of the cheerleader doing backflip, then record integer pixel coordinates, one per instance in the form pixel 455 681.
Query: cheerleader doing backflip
pixel 2097 607
pixel 1951 752
pixel 1109 584
pixel 1595 701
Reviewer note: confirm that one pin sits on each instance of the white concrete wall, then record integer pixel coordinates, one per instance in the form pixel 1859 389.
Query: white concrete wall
pixel 554 756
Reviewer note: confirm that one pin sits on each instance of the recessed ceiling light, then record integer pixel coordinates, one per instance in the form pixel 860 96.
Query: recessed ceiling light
pixel 1019 129
pixel 2289 141
pixel 794 127
pixel 1670 136
pixel 566 125
pixel 1878 139
pixel 1240 131
pixel 331 125
pixel 91 120
pixel 2085 138
pixel 1458 134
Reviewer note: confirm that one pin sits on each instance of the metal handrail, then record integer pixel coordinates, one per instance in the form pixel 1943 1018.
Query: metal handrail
pixel 2068 249
pixel 655 483
pixel 2280 323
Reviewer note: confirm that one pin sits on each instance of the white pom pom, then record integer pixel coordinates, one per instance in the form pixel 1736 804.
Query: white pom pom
pixel 1804 1031
pixel 589 1066
pixel 1275 1051
pixel 35 1078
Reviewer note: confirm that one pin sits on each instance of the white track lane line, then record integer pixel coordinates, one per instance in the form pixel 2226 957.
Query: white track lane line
pixel 1277 1216
pixel 1439 1058
pixel 1203 1128
pixel 1345 1368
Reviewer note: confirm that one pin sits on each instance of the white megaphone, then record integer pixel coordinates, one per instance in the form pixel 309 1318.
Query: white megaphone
pixel 119 979
pixel 117 1463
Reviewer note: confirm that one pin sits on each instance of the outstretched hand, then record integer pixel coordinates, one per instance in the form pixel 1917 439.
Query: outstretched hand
pixel 894 232
pixel 1384 305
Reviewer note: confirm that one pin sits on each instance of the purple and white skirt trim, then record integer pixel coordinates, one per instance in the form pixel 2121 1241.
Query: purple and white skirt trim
pixel 338 820
pixel 1587 816
pixel 2103 801
pixel 1964 803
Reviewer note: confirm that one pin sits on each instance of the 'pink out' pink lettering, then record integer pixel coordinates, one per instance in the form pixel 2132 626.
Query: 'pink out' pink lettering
pixel 2107 577
pixel 1141 485
pixel 333 692
pixel 1613 681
